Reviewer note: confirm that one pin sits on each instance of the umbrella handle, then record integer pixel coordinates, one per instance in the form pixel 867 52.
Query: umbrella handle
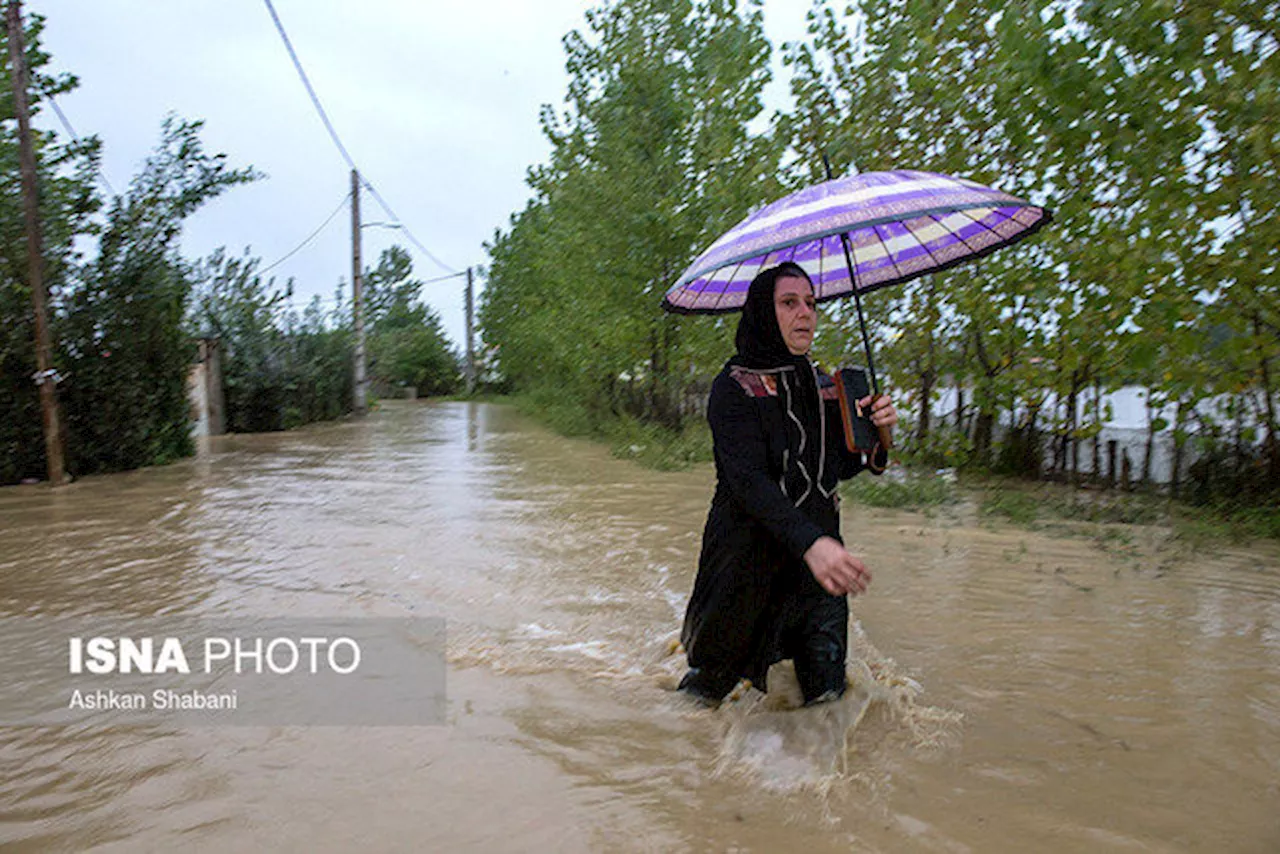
pixel 886 433
pixel 878 458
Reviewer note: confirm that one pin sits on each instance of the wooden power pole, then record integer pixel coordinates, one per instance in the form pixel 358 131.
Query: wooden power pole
pixel 471 351
pixel 46 377
pixel 357 298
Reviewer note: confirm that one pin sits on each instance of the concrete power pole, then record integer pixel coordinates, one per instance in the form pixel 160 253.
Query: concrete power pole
pixel 46 377
pixel 471 350
pixel 361 398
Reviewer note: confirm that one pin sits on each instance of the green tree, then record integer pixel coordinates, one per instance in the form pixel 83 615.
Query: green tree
pixel 122 332
pixel 281 368
pixel 923 86
pixel 651 159
pixel 1151 131
pixel 233 303
pixel 407 342
pixel 1205 78
pixel 65 173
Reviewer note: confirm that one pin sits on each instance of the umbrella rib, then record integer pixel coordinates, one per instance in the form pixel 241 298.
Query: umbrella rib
pixel 764 259
pixel 875 229
pixel 975 254
pixel 822 256
pixel 888 253
pixel 724 293
pixel 925 246
pixel 985 227
pixel 692 294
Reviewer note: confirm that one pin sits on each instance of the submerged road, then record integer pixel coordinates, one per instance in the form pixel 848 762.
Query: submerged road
pixel 1015 690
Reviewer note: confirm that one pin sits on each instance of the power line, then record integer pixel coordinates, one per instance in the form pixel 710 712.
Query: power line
pixel 386 207
pixel 66 124
pixel 315 99
pixel 72 131
pixel 442 278
pixel 309 238
pixel 333 133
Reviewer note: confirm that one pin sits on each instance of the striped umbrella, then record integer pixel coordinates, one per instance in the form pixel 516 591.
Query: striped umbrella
pixel 856 234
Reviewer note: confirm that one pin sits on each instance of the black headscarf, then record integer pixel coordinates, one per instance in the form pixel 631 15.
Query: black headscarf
pixel 759 340
pixel 762 347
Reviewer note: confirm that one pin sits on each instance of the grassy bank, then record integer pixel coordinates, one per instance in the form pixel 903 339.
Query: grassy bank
pixel 1037 505
pixel 911 487
pixel 649 445
pixel 1053 505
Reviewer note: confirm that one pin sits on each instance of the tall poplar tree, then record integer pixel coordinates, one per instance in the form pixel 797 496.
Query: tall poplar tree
pixel 1150 128
pixel 653 155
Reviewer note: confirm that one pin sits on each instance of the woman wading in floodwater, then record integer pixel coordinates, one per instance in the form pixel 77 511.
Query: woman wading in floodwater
pixel 774 576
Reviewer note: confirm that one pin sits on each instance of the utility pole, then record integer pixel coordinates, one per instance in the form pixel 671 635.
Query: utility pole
pixel 46 377
pixel 471 352
pixel 357 297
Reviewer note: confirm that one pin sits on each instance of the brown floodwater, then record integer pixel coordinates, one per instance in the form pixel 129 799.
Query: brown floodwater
pixel 1091 689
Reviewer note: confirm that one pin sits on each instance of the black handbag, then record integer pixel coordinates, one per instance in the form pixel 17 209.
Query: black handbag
pixel 860 435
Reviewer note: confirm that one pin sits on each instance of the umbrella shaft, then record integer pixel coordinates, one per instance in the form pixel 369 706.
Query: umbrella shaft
pixel 862 320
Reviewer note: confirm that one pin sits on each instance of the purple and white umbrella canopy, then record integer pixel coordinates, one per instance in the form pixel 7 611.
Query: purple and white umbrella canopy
pixel 900 225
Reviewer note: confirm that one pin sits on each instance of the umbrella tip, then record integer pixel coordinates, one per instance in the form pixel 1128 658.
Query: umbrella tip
pixel 826 164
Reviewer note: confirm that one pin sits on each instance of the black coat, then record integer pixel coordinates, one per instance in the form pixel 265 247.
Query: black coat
pixel 780 454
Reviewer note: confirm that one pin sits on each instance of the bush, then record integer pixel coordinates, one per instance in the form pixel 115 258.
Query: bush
pixel 122 331
pixel 280 370
pixel 125 401
pixel 417 356
pixel 944 447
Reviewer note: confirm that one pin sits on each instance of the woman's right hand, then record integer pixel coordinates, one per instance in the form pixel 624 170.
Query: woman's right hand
pixel 835 569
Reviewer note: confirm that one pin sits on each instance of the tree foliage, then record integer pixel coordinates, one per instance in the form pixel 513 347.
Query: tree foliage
pixel 124 321
pixel 652 156
pixel 1150 129
pixel 121 325
pixel 283 368
pixel 117 320
pixel 407 342
pixel 67 200
pixel 280 368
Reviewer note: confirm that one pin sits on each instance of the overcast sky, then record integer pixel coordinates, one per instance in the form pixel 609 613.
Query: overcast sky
pixel 437 101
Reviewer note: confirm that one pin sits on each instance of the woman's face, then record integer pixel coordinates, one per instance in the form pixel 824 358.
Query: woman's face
pixel 797 312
